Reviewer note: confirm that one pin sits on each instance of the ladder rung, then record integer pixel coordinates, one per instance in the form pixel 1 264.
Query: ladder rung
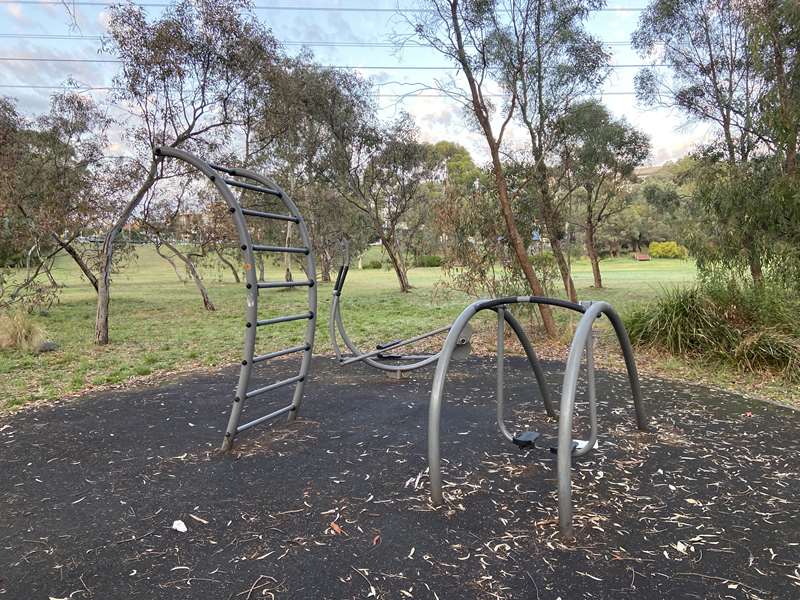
pixel 265 285
pixel 268 215
pixel 289 249
pixel 277 353
pixel 274 386
pixel 255 188
pixel 271 415
pixel 308 315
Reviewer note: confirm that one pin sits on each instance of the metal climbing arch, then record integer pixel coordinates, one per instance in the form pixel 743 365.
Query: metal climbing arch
pixel 224 179
pixel 565 446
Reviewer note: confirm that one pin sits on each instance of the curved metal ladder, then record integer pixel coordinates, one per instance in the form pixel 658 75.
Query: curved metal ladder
pixel 565 447
pixel 242 178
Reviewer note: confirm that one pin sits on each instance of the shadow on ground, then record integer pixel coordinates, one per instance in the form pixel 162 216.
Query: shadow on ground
pixel 335 505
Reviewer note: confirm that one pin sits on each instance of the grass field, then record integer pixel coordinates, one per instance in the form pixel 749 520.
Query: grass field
pixel 158 323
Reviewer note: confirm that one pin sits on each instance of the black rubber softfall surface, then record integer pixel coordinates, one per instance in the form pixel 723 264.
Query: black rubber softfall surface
pixel 336 506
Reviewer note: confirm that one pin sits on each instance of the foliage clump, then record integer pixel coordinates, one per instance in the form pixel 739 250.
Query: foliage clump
pixel 752 327
pixel 428 260
pixel 670 249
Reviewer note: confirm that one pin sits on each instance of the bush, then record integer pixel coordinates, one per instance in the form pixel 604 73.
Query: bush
pixel 750 327
pixel 373 264
pixel 668 250
pixel 428 260
pixel 19 332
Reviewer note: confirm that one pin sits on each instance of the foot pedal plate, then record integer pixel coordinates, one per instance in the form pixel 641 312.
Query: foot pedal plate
pixel 552 444
pixel 526 439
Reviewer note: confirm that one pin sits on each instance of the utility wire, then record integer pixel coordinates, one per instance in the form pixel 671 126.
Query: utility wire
pixel 420 94
pixel 338 44
pixel 366 67
pixel 350 9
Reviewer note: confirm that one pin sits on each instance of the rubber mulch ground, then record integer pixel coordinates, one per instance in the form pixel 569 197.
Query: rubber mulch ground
pixel 336 505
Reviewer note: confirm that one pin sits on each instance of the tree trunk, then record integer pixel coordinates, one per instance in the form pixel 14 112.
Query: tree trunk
pixel 519 246
pixel 262 274
pixel 563 267
pixel 230 266
pixel 499 175
pixel 78 261
pixel 287 258
pixel 194 275
pixel 107 255
pixel 553 224
pixel 754 261
pixel 325 266
pixel 591 250
pixel 170 261
pixel 398 264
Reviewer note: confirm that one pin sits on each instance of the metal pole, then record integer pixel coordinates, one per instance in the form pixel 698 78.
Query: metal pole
pixel 393 345
pixel 251 313
pixel 533 360
pixel 630 366
pixel 501 335
pixel 591 392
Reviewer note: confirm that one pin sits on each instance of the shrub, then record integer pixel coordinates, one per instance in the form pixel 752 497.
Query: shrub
pixel 668 250
pixel 428 260
pixel 750 327
pixel 373 264
pixel 19 332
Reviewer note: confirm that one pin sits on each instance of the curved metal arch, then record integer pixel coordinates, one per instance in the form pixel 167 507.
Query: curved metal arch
pixel 252 286
pixel 580 342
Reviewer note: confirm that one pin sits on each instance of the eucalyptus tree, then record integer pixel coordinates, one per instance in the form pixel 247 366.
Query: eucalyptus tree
pixel 57 186
pixel 709 72
pixel 774 36
pixel 467 32
pixel 180 77
pixel 378 168
pixel 599 155
pixel 733 64
pixel 551 63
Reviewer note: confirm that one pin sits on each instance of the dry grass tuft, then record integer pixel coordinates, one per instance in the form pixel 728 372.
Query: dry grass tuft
pixel 19 332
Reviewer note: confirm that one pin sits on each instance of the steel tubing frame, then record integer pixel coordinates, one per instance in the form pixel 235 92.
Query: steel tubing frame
pixel 265 185
pixel 581 343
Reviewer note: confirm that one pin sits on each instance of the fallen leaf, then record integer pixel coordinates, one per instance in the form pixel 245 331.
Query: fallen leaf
pixel 336 529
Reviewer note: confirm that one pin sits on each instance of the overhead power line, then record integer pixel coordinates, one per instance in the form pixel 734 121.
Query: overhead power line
pixel 421 94
pixel 320 44
pixel 365 67
pixel 271 7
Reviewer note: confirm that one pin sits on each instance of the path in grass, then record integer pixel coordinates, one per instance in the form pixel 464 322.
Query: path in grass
pixel 158 324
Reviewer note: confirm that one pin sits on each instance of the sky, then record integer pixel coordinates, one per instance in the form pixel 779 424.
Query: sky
pixel 354 33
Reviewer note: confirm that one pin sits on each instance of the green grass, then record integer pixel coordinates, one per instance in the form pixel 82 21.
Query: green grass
pixel 158 324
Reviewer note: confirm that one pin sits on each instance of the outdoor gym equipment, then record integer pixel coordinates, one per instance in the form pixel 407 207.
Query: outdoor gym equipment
pixel 241 178
pixel 565 446
pixel 457 338
pixel 377 357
